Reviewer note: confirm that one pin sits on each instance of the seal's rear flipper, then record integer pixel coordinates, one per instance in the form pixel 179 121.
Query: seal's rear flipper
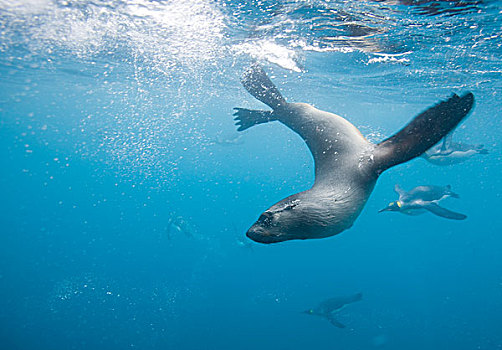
pixel 246 118
pixel 444 213
pixel 423 132
pixel 335 322
pixel 258 84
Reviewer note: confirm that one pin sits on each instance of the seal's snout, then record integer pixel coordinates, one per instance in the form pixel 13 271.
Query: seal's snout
pixel 260 235
pixel 254 235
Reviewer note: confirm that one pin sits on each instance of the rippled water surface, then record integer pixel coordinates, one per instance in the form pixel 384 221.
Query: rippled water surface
pixel 127 191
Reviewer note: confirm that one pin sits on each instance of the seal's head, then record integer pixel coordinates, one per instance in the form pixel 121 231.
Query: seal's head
pixel 301 216
pixel 393 206
pixel 269 228
pixel 275 224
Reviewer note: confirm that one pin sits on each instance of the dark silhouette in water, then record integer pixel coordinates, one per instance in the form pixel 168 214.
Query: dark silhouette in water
pixel 449 152
pixel 422 199
pixel 347 166
pixel 330 307
pixel 178 225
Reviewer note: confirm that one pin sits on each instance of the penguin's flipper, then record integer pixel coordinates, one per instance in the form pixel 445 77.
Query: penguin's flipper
pixel 447 142
pixel 444 213
pixel 258 84
pixel 399 190
pixel 480 149
pixel 335 323
pixel 423 132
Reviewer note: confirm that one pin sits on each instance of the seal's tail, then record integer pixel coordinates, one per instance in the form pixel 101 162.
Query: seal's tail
pixel 258 84
pixel 423 132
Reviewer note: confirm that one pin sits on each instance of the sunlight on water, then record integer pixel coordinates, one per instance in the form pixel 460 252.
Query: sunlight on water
pixel 162 33
pixel 272 52
pixel 145 70
pixel 165 43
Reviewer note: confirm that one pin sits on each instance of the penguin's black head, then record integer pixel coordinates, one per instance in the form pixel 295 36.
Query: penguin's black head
pixel 393 206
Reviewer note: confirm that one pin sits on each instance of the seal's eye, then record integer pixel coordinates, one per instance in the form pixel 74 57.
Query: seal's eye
pixel 265 219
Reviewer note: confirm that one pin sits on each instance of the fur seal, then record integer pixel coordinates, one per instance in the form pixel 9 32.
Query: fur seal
pixel 328 308
pixel 424 198
pixel 347 166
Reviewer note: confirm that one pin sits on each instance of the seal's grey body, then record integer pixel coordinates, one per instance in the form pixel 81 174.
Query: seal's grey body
pixel 337 197
pixel 450 152
pixel 328 308
pixel 424 198
pixel 346 164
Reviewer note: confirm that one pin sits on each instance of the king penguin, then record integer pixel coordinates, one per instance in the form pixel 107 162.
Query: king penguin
pixel 424 198
pixel 330 307
pixel 449 152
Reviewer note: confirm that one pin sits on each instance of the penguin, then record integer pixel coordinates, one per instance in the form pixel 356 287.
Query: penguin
pixel 449 152
pixel 424 198
pixel 178 225
pixel 328 308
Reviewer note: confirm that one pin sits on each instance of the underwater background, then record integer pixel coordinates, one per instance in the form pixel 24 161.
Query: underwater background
pixel 126 191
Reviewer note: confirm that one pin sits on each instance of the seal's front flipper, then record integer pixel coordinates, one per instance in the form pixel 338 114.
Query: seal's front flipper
pixel 335 323
pixel 423 132
pixel 258 84
pixel 246 118
pixel 444 213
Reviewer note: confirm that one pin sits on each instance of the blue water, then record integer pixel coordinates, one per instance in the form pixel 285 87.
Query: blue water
pixel 127 191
